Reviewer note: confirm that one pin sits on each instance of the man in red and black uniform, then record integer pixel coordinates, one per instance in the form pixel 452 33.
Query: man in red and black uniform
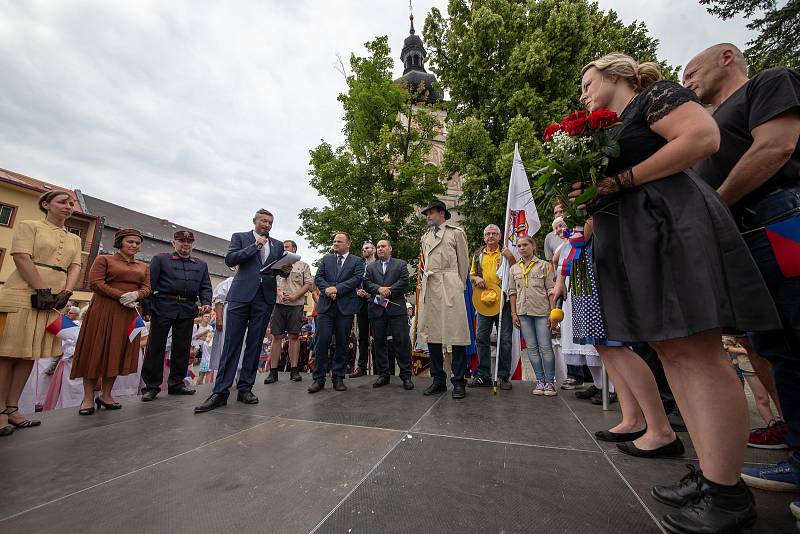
pixel 178 281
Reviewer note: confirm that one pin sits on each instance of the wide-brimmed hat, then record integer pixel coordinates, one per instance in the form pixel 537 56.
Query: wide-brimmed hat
pixel 487 301
pixel 438 204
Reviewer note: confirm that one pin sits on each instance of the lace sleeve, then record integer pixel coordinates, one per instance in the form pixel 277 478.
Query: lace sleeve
pixel 663 97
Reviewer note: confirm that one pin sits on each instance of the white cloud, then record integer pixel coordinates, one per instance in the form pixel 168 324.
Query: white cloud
pixel 201 112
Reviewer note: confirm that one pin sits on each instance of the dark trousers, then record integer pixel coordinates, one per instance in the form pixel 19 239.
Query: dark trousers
pixel 393 355
pixel 153 366
pixel 780 347
pixel 459 366
pixel 395 326
pixel 483 339
pixel 242 316
pixel 330 324
pixel 363 338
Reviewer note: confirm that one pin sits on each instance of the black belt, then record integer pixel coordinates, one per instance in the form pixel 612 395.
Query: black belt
pixel 54 267
pixel 175 297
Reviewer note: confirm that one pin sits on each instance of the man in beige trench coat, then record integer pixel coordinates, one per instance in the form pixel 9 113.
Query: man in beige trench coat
pixel 442 313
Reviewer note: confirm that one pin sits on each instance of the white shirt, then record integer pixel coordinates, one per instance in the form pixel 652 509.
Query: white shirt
pixel 264 250
pixel 385 265
pixel 221 291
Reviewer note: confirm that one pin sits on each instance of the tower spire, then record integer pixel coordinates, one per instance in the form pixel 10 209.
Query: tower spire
pixel 411 16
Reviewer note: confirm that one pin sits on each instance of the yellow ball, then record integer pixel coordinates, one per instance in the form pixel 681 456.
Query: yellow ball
pixel 557 315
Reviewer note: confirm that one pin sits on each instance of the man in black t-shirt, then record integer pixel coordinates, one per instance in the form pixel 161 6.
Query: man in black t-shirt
pixel 757 172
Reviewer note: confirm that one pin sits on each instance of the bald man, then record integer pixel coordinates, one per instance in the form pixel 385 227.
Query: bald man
pixel 757 172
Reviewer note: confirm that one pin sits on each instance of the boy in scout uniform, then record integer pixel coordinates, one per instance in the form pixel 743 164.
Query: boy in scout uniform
pixel 287 316
pixel 178 281
pixel 442 312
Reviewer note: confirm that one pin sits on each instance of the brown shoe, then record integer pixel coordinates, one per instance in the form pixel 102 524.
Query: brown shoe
pixel 359 371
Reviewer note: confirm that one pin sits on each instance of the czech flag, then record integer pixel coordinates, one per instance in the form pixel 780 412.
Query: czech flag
pixel 380 301
pixel 61 326
pixel 784 237
pixel 136 328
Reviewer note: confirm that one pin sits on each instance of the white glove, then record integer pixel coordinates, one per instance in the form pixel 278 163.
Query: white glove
pixel 129 298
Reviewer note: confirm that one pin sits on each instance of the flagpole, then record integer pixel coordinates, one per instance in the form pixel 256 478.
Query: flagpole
pixel 504 267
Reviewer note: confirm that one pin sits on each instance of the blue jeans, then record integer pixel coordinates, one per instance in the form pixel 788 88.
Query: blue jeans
pixel 536 333
pixel 780 347
pixel 482 338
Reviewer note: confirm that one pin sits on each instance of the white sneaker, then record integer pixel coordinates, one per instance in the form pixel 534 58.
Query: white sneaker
pixel 550 390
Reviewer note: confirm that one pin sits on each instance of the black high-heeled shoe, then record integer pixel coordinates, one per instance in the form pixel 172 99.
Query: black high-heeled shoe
pixel 106 405
pixel 86 411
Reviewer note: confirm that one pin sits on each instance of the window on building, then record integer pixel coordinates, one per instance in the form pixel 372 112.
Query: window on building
pixel 7 214
pixel 73 230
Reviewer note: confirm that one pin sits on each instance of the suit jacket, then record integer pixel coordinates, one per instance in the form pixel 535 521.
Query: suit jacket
pixel 348 280
pixel 171 276
pixel 396 278
pixel 249 282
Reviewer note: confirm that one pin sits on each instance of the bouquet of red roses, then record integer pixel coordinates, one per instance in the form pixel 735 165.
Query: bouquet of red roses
pixel 577 150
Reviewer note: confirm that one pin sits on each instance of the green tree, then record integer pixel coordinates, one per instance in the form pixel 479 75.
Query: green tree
pixel 778 27
pixel 511 67
pixel 374 182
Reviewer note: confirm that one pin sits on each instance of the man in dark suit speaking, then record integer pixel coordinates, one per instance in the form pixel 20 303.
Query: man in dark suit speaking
pixel 251 298
pixel 338 277
pixel 387 278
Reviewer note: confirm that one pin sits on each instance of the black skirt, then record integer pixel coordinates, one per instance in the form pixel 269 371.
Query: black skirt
pixel 670 263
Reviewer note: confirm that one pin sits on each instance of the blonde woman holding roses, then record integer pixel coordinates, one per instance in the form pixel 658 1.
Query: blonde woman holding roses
pixel 672 270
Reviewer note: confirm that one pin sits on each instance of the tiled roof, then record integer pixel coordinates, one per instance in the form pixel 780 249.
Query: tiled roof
pixel 34 184
pixel 158 234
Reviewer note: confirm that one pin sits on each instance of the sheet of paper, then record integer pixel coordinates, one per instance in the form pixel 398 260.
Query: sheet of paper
pixel 288 258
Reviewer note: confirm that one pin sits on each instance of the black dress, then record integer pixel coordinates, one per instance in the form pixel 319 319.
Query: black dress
pixel 668 257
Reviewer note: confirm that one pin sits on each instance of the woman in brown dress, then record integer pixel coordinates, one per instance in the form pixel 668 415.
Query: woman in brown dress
pixel 103 351
pixel 48 266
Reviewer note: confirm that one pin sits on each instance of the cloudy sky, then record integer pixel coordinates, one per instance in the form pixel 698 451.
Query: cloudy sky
pixel 203 111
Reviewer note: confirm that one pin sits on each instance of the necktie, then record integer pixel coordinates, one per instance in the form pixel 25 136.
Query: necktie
pixel 435 230
pixel 339 263
pixel 384 267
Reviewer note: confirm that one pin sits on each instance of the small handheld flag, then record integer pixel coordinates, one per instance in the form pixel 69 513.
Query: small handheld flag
pixel 137 327
pixel 61 326
pixel 380 301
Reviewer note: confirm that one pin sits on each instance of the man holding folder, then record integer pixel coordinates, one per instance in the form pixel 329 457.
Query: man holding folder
pixel 251 298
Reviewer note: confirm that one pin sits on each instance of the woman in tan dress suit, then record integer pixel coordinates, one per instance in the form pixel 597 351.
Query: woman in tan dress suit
pixel 103 351
pixel 48 266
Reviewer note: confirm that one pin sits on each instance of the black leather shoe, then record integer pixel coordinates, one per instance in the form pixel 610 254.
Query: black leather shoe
pixel 505 384
pixel 247 397
pixel 182 390
pixel 294 375
pixel 381 381
pixel 715 509
pixel 618 437
pixel 272 378
pixel 435 388
pixel 86 411
pixel 682 493
pixel 587 393
pixel 149 395
pixel 671 449
pixel 338 385
pixel 213 402
pixel 459 391
pixel 107 405
pixel 408 384
pixel 597 400
pixel 316 386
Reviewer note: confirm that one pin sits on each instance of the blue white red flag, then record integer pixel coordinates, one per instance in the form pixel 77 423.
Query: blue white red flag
pixel 136 328
pixel 62 326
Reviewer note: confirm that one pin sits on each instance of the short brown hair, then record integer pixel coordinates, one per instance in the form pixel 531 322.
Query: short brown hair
pixel 344 234
pixel 262 211
pixel 292 242
pixel 49 196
